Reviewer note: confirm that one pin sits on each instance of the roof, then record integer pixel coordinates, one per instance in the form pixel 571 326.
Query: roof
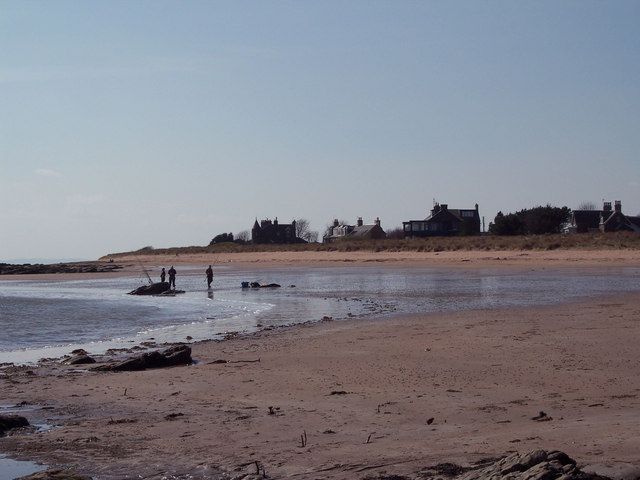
pixel 361 231
pixel 590 218
pixel 634 223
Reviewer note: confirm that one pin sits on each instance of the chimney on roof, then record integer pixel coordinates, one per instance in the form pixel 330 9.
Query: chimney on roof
pixel 335 222
pixel 618 206
pixel 275 221
pixel 444 206
pixel 606 207
pixel 377 221
pixel 359 221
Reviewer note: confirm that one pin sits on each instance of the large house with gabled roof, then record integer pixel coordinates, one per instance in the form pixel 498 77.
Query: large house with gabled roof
pixel 606 220
pixel 444 221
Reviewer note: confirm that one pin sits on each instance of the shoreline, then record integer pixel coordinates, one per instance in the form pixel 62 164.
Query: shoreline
pixel 482 375
pixel 460 259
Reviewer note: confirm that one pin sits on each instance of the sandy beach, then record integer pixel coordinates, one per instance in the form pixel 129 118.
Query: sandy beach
pixel 351 399
pixel 466 259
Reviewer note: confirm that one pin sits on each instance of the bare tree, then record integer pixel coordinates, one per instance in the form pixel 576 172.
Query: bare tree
pixel 244 236
pixel 396 233
pixel 586 205
pixel 303 230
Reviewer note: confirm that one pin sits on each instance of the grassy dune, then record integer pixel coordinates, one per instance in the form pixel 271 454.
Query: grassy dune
pixel 595 241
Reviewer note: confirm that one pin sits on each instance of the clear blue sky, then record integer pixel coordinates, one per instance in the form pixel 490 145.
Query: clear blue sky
pixel 163 123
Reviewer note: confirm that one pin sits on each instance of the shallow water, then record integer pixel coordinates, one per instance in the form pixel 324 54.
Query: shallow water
pixel 10 469
pixel 51 318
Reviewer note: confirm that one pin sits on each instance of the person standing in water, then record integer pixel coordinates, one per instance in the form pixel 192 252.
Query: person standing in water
pixel 163 275
pixel 172 277
pixel 209 273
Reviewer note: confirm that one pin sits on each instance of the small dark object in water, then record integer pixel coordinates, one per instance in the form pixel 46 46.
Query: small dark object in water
pixel 258 285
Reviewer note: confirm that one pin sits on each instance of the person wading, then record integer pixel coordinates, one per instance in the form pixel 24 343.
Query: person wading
pixel 172 277
pixel 163 275
pixel 209 273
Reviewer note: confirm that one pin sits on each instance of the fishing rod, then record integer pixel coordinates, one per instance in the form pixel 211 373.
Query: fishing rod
pixel 144 270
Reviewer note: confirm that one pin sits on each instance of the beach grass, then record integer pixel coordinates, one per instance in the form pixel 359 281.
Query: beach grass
pixel 587 241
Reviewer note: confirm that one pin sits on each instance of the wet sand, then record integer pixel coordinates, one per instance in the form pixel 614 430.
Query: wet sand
pixel 368 396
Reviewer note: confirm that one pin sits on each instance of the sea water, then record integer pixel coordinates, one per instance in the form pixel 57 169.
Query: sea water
pixel 40 319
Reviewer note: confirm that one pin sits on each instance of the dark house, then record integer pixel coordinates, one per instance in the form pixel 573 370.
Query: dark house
pixel 359 231
pixel 268 231
pixel 444 221
pixel 606 220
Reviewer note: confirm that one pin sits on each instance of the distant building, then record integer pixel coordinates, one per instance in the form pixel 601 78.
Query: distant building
pixel 359 231
pixel 606 220
pixel 444 221
pixel 268 231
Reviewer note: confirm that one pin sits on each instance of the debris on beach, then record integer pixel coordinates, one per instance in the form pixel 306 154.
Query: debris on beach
pixel 542 417
pixel 173 356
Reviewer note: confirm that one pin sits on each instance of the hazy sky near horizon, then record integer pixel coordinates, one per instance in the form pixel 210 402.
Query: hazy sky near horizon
pixel 163 123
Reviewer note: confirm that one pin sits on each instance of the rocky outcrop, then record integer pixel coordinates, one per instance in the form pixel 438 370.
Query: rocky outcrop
pixel 173 356
pixel 152 289
pixel 82 359
pixel 55 475
pixel 9 422
pixel 81 267
pixel 535 465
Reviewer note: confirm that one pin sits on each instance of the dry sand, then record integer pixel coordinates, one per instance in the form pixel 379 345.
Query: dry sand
pixel 582 258
pixel 364 393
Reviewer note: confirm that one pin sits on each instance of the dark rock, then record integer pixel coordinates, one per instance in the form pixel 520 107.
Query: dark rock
pixel 173 356
pixel 259 285
pixel 151 289
pixel 9 422
pixel 38 268
pixel 55 475
pixel 80 360
pixel 534 465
